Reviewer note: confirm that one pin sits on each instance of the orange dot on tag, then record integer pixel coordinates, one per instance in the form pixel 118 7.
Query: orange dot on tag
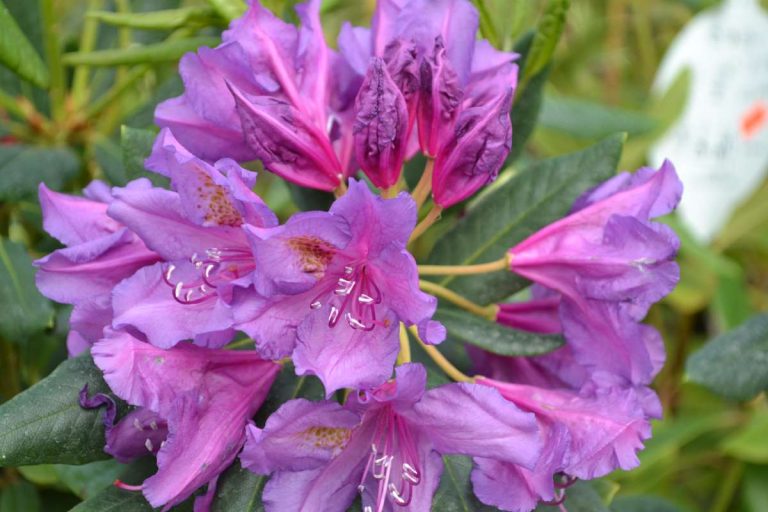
pixel 754 119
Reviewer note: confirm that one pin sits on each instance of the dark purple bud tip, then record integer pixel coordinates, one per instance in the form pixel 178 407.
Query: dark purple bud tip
pixel 97 401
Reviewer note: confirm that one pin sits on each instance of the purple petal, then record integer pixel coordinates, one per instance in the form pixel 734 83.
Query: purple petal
pixel 432 332
pixel 146 302
pixel 489 425
pixel 92 268
pixel 343 357
pixel 140 432
pixel 156 215
pixel 300 435
pixel 538 315
pixel 293 257
pixel 381 126
pixel 74 220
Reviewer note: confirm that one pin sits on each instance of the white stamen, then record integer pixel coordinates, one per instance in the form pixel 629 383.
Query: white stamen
pixel 169 271
pixel 316 305
pixel 153 425
pixel 333 316
pixel 348 270
pixel 365 299
pixel 354 322
pixel 148 444
pixel 396 495
pixel 137 424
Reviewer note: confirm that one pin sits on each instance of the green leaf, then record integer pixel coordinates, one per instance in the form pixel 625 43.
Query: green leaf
pixel 455 491
pixel 228 9
pixel 113 499
pixel 527 104
pixel 166 19
pixel 167 51
pixel 494 337
pixel 87 480
pixel 17 53
pixel 137 145
pixel 749 443
pixel 588 120
pixel 310 199
pixel 515 209
pixel 45 423
pixel 548 32
pixel 734 364
pixel 22 168
pixel 20 497
pixel 25 310
pixel 754 489
pixel 239 490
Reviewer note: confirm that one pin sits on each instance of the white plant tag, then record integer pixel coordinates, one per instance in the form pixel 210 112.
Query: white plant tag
pixel 720 143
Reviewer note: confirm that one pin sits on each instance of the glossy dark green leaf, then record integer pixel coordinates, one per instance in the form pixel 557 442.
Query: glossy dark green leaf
pixel 87 480
pixel 23 167
pixel 113 499
pixel 455 491
pixel 137 145
pixel 167 51
pixel 515 209
pixel 45 423
pixel 17 53
pixel 527 104
pixel 24 310
pixel 734 364
pixel 494 337
pixel 310 199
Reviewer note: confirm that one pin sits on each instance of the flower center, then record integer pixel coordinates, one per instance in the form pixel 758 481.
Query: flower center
pixel 353 296
pixel 217 267
pixel 392 440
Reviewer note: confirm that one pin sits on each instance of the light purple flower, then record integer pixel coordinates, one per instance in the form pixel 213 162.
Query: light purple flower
pixel 205 398
pixel 339 283
pixel 536 315
pixel 197 230
pixel 609 263
pixel 586 433
pixel 384 444
pixel 99 253
pixel 270 91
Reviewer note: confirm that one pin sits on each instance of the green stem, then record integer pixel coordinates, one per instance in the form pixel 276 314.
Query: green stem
pixel 440 360
pixel 488 312
pixel 465 270
pixel 117 90
pixel 53 53
pixel 729 484
pixel 80 90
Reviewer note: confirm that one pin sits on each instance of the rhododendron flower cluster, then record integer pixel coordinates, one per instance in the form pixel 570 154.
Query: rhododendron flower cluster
pixel 192 298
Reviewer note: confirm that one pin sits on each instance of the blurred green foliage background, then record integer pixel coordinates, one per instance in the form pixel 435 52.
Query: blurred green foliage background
pixel 84 111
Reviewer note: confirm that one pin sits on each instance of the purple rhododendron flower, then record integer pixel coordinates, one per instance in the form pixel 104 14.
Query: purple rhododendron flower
pixel 99 253
pixel 457 90
pixel 270 91
pixel 589 428
pixel 540 314
pixel 339 283
pixel 204 398
pixel 197 230
pixel 609 263
pixel 385 444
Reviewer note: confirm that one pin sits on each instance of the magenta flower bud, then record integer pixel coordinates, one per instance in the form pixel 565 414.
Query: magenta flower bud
pixel 537 315
pixel 441 95
pixel 474 154
pixel 381 126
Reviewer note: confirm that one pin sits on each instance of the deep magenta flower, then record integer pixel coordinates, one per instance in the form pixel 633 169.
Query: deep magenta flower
pixel 99 253
pixel 270 91
pixel 609 263
pixel 204 398
pixel 384 444
pixel 456 90
pixel 339 283
pixel 540 314
pixel 197 231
